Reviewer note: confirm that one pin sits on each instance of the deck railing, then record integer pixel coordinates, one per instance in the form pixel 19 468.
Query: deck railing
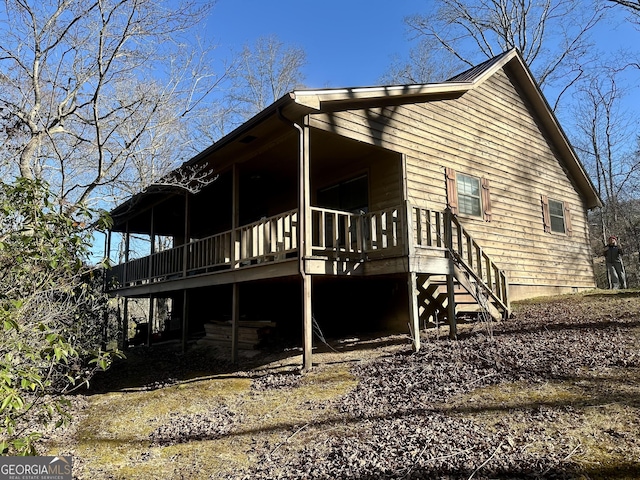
pixel 267 239
pixel 431 230
pixel 477 263
pixel 334 234
pixel 337 233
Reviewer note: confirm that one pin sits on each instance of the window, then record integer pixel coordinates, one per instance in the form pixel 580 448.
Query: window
pixel 556 212
pixel 469 202
pixel 556 216
pixel 468 195
pixel 351 195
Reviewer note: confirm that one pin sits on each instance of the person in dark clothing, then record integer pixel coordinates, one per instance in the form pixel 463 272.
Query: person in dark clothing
pixel 615 268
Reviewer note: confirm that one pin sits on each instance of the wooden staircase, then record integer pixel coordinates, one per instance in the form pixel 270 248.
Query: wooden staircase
pixel 476 284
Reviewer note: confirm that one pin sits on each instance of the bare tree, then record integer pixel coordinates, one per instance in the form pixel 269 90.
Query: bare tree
pixel 552 35
pixel 95 93
pixel 262 74
pixel 425 64
pixel 603 135
pixel 631 5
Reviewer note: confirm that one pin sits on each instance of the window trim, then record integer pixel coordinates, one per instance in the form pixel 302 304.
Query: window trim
pixel 452 195
pixel 553 205
pixel 547 216
pixel 462 197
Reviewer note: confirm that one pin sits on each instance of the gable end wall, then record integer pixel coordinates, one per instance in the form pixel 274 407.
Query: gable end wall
pixel 489 132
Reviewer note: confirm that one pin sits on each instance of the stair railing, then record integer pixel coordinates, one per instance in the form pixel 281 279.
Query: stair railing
pixel 473 260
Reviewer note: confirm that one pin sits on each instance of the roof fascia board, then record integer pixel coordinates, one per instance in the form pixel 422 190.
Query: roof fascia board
pixel 315 98
pixel 536 97
pixel 242 129
pixel 499 65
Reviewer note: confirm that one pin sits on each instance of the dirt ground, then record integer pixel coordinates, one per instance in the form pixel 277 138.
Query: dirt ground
pixel 553 392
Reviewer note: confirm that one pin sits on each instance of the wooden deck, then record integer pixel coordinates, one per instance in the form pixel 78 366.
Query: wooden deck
pixel 342 243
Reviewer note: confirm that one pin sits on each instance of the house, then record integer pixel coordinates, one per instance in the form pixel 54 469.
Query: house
pixel 363 207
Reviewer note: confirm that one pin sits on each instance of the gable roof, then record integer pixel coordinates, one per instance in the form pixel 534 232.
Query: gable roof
pixel 301 102
pixel 475 72
pixel 465 81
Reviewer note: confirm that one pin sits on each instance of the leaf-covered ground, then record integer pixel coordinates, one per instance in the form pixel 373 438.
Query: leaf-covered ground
pixel 552 393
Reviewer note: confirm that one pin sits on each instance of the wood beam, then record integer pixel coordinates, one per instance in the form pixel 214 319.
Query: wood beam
pixel 414 316
pixel 235 319
pixel 307 361
pixel 127 240
pixel 152 239
pixel 451 295
pixel 125 324
pixel 187 234
pixel 185 322
pixel 152 301
pixel 451 308
pixel 304 242
pixel 235 211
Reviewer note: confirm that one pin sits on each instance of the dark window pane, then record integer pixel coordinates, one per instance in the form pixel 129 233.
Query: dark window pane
pixel 556 212
pixel 469 195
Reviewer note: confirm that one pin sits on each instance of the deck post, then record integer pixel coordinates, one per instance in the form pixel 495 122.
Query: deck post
pixel 305 216
pixel 125 323
pixel 187 234
pixel 127 241
pixel 307 361
pixel 152 238
pixel 235 317
pixel 304 242
pixel 152 301
pixel 451 307
pixel 414 315
pixel 185 323
pixel 451 296
pixel 235 199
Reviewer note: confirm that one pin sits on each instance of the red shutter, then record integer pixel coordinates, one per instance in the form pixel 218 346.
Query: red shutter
pixel 567 219
pixel 546 218
pixel 486 200
pixel 452 190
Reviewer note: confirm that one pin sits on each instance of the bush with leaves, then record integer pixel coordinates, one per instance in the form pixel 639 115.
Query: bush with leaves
pixel 52 309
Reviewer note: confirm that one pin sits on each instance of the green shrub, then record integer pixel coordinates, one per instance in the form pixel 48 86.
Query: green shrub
pixel 52 309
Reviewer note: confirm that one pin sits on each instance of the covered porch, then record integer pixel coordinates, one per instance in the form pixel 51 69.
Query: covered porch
pixel 430 249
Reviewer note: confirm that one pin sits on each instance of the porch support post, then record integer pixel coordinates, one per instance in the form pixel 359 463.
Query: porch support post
pixel 125 318
pixel 304 244
pixel 152 301
pixel 107 248
pixel 235 317
pixel 185 260
pixel 414 314
pixel 451 307
pixel 125 324
pixel 235 199
pixel 105 279
pixel 127 240
pixel 185 323
pixel 451 296
pixel 307 308
pixel 304 236
pixel 152 239
pixel 187 234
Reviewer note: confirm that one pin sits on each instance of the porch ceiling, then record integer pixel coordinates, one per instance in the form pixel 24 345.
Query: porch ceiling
pixel 269 151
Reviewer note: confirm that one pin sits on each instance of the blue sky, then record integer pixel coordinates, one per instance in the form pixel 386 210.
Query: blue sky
pixel 347 42
pixel 351 43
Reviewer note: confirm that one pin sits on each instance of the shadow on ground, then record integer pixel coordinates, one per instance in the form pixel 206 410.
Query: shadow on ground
pixel 149 368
